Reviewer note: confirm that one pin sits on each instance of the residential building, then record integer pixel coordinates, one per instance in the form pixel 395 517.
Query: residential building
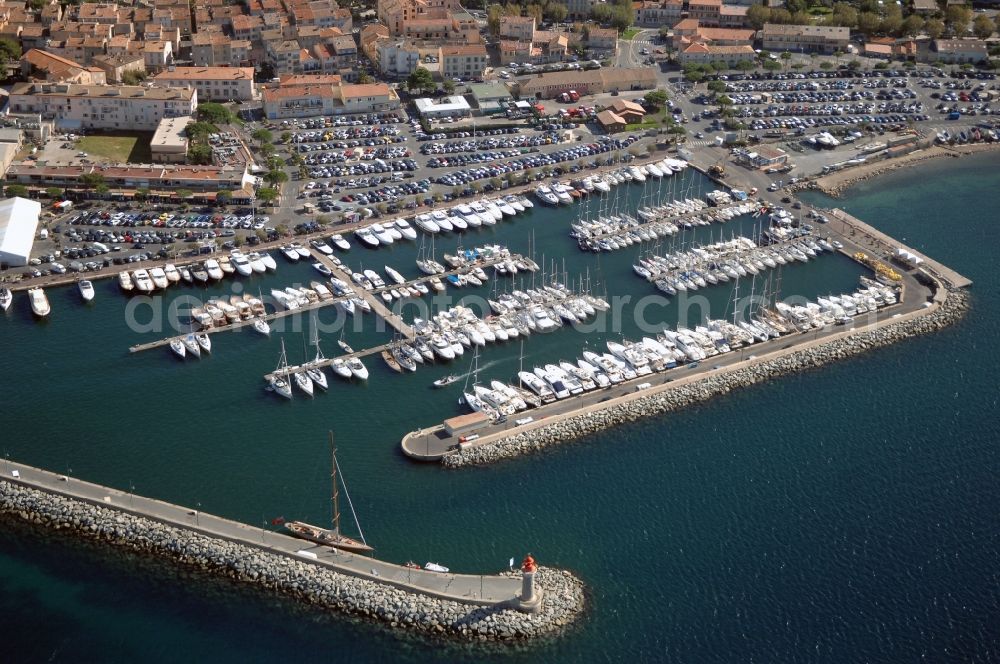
pixel 212 83
pixel 464 62
pixel 217 50
pixel 44 66
pixel 960 50
pixel 396 59
pixel 116 66
pixel 805 38
pixel 925 7
pixel 593 81
pixel 300 101
pixel 657 14
pixel 520 28
pixel 102 106
pixel 157 54
pixel 703 53
pixel 580 8
pixel 169 144
pixel 604 40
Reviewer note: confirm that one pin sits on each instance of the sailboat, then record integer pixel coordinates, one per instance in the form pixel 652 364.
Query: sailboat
pixel 279 381
pixel 332 536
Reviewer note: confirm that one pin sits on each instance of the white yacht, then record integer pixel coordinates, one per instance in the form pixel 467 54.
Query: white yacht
pixel 159 277
pixel 394 275
pixel 546 195
pixel 242 264
pixel 367 237
pixel 303 382
pixel 39 302
pixel 86 290
pixel 358 369
pixel 268 261
pixel 290 253
pixel 170 270
pixel 178 348
pixel 339 242
pixel 340 368
pixel 125 281
pixel 404 228
pixel 213 269
pixel 6 297
pixel 383 235
pixel 142 281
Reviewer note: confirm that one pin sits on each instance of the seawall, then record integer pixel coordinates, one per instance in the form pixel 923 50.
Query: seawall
pixel 949 306
pixel 312 582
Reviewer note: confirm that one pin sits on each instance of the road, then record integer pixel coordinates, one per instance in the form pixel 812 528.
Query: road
pixel 478 590
pixel 630 50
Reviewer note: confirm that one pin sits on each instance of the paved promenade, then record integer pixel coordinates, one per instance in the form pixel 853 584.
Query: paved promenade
pixel 476 590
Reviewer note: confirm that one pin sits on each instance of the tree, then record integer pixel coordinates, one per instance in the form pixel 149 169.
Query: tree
pixel 183 193
pixel 91 180
pixel 276 177
pixel 758 15
pixel 199 131
pixel 556 12
pixel 892 20
pixel 102 189
pixel 448 86
pixel 493 15
pixel 982 27
pixel 535 12
pixel 826 64
pixel 267 195
pixel 781 15
pixel 796 5
pixel 934 28
pixel 134 77
pixel 421 80
pixel 785 55
pixel 656 98
pixel 141 194
pixel 912 26
pixel 365 77
pixel 957 17
pixel 10 50
pixel 770 65
pixel 215 113
pixel 17 190
pixel 844 15
pixel 223 197
pixel 275 163
pixel 262 136
pixel 199 153
pixel 53 192
pixel 868 23
pixel 286 137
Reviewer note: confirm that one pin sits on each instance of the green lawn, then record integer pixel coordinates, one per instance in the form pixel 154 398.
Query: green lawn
pixel 119 149
pixel 630 33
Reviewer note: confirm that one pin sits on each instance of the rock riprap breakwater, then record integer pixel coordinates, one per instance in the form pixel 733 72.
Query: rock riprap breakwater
pixel 955 304
pixel 311 583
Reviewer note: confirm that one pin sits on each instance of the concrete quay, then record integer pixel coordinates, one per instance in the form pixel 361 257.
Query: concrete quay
pixel 463 605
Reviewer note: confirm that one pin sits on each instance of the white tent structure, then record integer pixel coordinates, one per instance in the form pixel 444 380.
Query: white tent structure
pixel 18 223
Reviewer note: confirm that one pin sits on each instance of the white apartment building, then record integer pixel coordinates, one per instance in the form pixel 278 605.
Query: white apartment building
pixel 212 83
pixel 119 107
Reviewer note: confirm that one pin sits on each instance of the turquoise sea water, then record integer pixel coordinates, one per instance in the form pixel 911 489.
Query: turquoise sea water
pixel 846 514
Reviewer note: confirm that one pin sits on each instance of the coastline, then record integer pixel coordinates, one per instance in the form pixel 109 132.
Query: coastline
pixel 835 184
pixel 561 594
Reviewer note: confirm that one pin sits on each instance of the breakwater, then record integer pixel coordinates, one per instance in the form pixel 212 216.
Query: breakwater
pixel 314 584
pixel 951 307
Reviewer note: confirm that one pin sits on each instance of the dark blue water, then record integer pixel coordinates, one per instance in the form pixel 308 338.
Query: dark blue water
pixel 846 514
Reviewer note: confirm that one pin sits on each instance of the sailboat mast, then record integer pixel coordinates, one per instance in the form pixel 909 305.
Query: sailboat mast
pixel 336 492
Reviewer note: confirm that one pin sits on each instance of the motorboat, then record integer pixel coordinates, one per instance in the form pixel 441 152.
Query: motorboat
pixel 394 275
pixel 256 263
pixel 340 368
pixel 434 567
pixel 142 281
pixel 290 253
pixel 213 269
pixel 358 369
pixel 426 224
pixel 260 325
pixel 300 250
pixel 224 264
pixel 322 247
pixel 6 297
pixel 446 380
pixel 39 302
pixel 124 281
pixel 86 290
pixel 545 195
pixel 384 235
pixel 339 242
pixel 268 261
pixel 322 269
pixel 367 237
pixel 404 228
pixel 242 264
pixel 170 270
pixel 200 274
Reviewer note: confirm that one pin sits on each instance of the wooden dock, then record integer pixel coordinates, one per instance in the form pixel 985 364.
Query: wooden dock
pixel 394 320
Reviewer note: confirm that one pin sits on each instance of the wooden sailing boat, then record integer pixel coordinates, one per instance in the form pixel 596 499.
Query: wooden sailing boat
pixel 332 536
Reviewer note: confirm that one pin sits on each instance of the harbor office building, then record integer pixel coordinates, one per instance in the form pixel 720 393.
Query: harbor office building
pixel 805 38
pixel 114 107
pixel 123 181
pixel 303 101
